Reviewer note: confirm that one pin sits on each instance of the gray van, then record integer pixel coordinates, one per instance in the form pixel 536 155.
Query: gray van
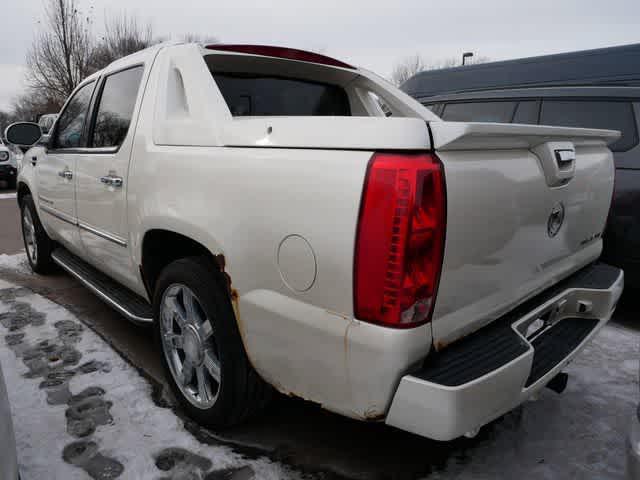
pixel 597 88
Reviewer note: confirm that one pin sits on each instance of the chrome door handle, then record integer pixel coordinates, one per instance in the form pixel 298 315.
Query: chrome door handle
pixel 112 181
pixel 68 174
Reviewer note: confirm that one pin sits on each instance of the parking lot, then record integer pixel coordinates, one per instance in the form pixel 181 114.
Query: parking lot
pixel 578 434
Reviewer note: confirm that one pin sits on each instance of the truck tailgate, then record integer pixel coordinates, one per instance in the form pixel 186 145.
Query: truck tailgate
pixel 526 207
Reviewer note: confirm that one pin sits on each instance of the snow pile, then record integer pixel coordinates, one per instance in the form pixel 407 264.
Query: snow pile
pixel 140 432
pixel 18 263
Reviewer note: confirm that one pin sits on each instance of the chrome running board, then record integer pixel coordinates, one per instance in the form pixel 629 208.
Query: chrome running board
pixel 130 305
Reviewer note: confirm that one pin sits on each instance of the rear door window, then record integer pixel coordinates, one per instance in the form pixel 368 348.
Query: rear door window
pixel 499 111
pixel 260 95
pixel 609 115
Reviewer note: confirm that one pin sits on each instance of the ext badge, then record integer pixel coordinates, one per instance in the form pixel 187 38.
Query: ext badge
pixel 555 220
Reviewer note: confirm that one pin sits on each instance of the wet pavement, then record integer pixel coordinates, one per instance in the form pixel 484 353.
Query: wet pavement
pixel 579 434
pixel 10 236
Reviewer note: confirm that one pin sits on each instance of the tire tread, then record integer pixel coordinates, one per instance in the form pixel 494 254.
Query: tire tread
pixel 248 393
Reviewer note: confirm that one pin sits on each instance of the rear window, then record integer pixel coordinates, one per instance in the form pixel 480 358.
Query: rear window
pixel 593 114
pixel 500 112
pixel 260 95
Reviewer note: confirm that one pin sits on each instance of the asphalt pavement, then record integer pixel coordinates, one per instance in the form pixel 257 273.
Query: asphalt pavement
pixel 579 434
pixel 10 237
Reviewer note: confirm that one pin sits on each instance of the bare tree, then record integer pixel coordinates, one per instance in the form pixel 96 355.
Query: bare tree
pixel 409 66
pixel 59 56
pixel 29 107
pixel 198 38
pixel 6 119
pixel 123 35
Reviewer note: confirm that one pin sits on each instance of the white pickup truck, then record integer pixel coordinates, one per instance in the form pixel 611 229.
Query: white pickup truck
pixel 279 231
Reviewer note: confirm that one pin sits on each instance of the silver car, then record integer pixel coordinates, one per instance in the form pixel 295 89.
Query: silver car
pixel 8 458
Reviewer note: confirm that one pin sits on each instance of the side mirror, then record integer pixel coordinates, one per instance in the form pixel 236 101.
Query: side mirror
pixel 23 134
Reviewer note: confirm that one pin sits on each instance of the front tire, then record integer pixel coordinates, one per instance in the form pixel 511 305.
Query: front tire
pixel 36 241
pixel 202 350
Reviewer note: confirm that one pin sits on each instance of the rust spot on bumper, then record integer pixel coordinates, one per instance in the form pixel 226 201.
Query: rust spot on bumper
pixel 373 415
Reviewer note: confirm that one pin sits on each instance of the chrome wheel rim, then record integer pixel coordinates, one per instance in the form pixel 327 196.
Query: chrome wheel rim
pixel 29 233
pixel 189 346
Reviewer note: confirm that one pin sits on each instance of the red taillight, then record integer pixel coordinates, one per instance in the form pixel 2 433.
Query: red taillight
pixel 400 239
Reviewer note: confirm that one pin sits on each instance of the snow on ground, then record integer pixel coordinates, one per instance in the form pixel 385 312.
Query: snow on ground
pixel 579 434
pixel 18 262
pixel 131 431
pixel 6 196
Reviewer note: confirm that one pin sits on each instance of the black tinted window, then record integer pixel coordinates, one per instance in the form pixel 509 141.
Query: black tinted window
pixel 117 100
pixel 266 95
pixel 527 112
pixel 593 114
pixel 500 112
pixel 71 121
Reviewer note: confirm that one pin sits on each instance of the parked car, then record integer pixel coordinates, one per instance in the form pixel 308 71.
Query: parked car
pixel 278 230
pixel 8 458
pixel 8 165
pixel 595 89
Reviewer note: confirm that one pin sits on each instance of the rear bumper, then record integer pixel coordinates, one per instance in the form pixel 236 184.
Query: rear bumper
pixel 488 373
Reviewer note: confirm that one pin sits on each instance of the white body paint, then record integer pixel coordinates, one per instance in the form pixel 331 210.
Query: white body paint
pixel 245 186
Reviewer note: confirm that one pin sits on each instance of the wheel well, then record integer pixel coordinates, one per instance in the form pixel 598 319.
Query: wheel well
pixel 161 247
pixel 22 191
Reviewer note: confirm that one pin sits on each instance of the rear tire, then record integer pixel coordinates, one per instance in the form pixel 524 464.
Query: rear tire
pixel 36 241
pixel 202 351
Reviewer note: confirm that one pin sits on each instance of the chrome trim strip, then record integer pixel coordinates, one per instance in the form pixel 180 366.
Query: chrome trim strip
pixel 100 233
pixel 66 218
pixel 45 200
pixel 59 215
pixel 84 150
pixel 100 294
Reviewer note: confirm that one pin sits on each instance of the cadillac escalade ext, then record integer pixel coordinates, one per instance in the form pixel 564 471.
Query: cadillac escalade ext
pixel 286 221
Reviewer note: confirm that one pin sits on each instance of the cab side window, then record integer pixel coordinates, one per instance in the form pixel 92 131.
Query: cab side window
pixel 71 122
pixel 490 111
pixel 115 107
pixel 527 112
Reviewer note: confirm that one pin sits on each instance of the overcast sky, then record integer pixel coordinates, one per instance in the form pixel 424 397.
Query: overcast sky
pixel 373 34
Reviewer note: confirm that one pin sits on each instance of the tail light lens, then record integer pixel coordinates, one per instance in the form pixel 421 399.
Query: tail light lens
pixel 400 239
